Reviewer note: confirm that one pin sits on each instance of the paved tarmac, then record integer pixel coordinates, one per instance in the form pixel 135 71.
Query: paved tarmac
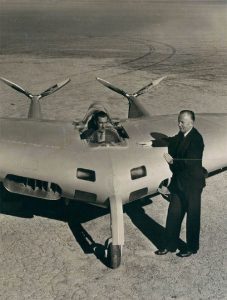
pixel 47 254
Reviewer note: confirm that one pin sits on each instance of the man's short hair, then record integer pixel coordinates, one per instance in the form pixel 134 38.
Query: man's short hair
pixel 189 112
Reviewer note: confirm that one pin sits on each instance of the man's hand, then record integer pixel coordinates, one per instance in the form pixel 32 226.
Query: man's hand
pixel 145 144
pixel 168 158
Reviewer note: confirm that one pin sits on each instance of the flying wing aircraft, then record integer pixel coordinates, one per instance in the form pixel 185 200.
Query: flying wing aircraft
pixel 52 159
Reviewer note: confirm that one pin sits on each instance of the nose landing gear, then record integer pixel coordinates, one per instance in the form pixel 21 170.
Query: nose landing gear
pixel 114 249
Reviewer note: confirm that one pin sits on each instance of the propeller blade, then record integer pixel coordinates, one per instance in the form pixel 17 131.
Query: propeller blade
pixel 16 87
pixel 112 87
pixel 146 87
pixel 157 81
pixel 54 88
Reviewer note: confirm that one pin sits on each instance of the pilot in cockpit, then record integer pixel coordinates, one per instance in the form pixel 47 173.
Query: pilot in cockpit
pixel 101 130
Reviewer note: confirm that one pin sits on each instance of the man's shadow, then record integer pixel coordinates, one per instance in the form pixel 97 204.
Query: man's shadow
pixel 77 213
pixel 148 226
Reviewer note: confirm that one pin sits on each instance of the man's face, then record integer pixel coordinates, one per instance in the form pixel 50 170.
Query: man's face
pixel 102 121
pixel 185 122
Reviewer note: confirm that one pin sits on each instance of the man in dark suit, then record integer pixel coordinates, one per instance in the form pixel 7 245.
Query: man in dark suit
pixel 185 151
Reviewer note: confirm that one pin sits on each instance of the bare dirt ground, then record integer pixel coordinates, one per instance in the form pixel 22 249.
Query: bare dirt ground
pixel 42 251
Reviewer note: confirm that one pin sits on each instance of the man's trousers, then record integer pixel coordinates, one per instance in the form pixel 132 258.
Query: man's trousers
pixel 181 204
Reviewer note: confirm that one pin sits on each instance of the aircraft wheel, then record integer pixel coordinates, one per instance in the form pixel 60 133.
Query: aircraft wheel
pixel 114 256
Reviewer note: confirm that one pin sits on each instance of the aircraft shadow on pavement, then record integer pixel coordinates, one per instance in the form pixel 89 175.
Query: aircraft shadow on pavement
pixel 74 214
pixel 77 213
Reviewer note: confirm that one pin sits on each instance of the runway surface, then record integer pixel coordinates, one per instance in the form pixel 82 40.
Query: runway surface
pixel 49 252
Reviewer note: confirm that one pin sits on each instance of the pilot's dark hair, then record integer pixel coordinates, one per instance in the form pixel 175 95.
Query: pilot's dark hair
pixel 93 122
pixel 189 112
pixel 101 114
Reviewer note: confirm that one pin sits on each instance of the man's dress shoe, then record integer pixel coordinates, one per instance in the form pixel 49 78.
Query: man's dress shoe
pixel 186 253
pixel 161 252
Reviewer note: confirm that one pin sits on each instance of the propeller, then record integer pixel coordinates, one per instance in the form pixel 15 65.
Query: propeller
pixel 16 87
pixel 53 88
pixel 47 92
pixel 123 93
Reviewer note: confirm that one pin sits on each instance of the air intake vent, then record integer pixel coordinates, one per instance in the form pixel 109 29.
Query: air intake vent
pixel 139 172
pixel 86 174
pixel 32 187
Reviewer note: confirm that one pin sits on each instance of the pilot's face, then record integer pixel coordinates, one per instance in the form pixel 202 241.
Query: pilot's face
pixel 185 122
pixel 102 122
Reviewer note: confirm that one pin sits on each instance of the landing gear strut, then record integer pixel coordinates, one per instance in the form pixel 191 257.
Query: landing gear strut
pixel 114 250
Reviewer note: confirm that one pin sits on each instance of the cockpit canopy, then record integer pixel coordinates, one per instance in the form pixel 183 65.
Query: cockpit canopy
pixel 93 110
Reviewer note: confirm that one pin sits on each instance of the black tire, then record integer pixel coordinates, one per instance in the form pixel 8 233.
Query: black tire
pixel 114 256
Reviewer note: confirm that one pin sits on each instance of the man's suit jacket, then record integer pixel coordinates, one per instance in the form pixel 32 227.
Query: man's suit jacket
pixel 187 153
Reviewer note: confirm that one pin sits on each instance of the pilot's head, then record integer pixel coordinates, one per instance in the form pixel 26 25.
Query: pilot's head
pixel 102 120
pixel 186 120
